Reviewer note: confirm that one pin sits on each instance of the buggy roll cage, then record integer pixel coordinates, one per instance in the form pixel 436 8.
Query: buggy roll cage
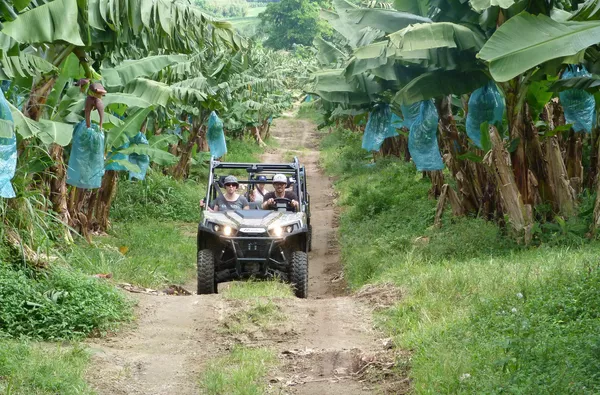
pixel 299 175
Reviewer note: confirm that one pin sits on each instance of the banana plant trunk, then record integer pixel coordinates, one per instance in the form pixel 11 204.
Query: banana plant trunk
pixel 180 169
pixel 470 176
pixel 520 215
pixel 105 196
pixel 396 146
pixel 57 172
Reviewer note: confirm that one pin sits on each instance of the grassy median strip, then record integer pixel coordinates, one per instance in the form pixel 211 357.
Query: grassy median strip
pixel 252 289
pixel 241 372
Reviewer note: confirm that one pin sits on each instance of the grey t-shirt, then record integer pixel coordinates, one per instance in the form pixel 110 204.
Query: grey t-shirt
pixel 239 204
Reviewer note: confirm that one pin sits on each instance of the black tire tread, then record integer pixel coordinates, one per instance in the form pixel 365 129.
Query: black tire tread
pixel 299 273
pixel 206 272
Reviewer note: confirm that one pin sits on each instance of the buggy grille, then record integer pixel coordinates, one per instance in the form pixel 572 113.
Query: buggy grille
pixel 251 247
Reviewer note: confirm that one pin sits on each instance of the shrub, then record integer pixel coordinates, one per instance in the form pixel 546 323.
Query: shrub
pixel 58 304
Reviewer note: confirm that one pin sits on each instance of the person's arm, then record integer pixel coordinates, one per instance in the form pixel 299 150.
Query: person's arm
pixel 268 201
pixel 294 198
pixel 244 202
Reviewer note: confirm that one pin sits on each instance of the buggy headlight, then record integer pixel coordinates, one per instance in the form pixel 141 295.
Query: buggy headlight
pixel 291 228
pixel 277 231
pixel 225 230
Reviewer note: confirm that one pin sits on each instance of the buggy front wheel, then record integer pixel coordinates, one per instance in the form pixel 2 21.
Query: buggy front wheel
pixel 299 273
pixel 206 272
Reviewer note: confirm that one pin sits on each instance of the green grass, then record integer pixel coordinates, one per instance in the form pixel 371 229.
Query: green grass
pixel 148 253
pixel 158 197
pixel 30 369
pixel 242 372
pixel 480 313
pixel 250 290
pixel 59 303
pixel 311 111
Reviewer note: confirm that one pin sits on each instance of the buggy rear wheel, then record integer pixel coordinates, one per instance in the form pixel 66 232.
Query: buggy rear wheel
pixel 206 272
pixel 299 273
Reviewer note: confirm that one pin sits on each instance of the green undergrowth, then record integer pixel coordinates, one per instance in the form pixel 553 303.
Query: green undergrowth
pixel 252 289
pixel 59 303
pixel 310 111
pixel 39 369
pixel 480 313
pixel 149 253
pixel 158 197
pixel 242 372
pixel 244 150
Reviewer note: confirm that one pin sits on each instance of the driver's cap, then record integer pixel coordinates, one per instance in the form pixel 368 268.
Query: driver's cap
pixel 280 178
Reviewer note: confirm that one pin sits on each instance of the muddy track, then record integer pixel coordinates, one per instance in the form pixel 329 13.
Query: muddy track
pixel 322 344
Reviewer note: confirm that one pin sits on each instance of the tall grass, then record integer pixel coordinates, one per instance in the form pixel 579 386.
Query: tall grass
pixel 480 313
pixel 29 369
pixel 149 253
pixel 159 197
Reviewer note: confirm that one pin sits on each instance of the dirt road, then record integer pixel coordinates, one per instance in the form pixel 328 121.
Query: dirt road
pixel 324 342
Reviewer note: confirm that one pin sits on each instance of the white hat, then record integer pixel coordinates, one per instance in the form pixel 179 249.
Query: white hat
pixel 280 178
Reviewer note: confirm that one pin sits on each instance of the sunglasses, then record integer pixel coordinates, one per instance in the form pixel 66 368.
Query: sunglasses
pixel 231 185
pixel 279 183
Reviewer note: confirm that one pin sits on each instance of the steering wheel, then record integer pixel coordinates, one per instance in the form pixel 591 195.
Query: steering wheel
pixel 288 203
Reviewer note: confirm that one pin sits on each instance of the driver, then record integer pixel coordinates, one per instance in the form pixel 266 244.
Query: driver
pixel 279 183
pixel 231 200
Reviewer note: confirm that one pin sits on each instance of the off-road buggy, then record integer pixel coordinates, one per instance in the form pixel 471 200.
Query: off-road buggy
pixel 255 243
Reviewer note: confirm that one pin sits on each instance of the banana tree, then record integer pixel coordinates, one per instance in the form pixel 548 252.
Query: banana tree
pixel 94 31
pixel 459 49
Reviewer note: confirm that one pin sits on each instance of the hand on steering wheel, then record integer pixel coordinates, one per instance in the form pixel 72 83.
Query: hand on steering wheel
pixel 289 202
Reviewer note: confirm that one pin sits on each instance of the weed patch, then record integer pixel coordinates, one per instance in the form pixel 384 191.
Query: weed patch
pixel 58 304
pixel 261 315
pixel 250 290
pixel 36 369
pixel 242 372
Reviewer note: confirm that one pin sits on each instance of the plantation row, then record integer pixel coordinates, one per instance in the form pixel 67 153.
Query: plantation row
pixel 502 96
pixel 116 90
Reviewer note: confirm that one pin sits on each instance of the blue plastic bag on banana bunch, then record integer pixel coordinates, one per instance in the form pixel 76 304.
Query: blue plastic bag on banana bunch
pixel 86 163
pixel 579 106
pixel 485 105
pixel 142 160
pixel 215 136
pixel 8 152
pixel 396 121
pixel 379 127
pixel 115 155
pixel 422 139
pixel 410 114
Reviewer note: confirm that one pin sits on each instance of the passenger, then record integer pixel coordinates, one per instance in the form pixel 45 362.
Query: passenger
pixel 279 183
pixel 257 195
pixel 231 200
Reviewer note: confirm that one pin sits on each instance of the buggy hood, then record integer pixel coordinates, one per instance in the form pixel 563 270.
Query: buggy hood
pixel 254 218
